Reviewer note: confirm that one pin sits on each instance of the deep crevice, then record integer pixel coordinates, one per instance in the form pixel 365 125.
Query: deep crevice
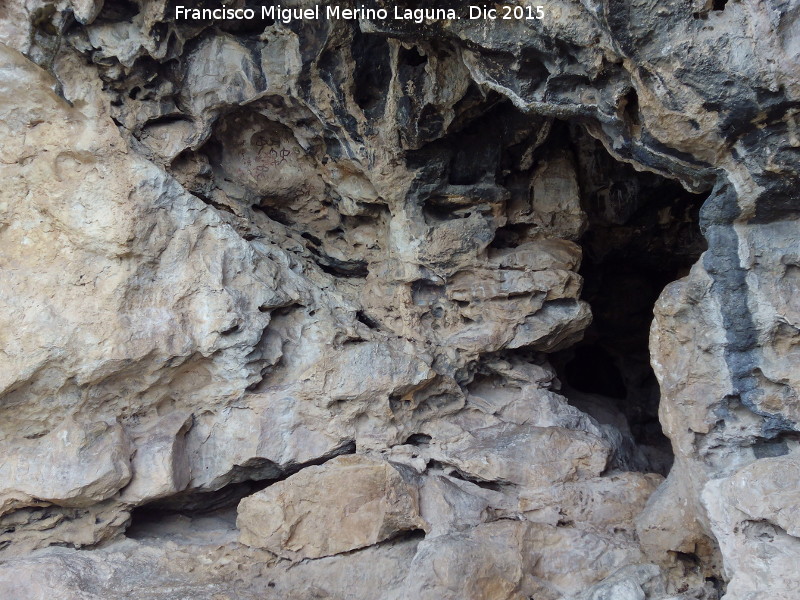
pixel 481 483
pixel 343 268
pixel 274 214
pixel 118 10
pixel 247 479
pixel 418 439
pixel 456 473
pixel 372 74
pixel 362 317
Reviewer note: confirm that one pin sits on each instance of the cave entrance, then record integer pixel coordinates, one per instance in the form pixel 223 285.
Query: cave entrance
pixel 643 233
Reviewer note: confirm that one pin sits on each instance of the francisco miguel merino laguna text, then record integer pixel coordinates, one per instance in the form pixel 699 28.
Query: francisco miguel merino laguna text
pixel 418 15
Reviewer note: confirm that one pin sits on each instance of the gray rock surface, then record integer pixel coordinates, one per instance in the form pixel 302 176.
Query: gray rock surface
pixel 232 252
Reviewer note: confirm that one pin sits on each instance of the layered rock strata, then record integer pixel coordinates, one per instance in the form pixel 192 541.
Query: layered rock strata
pixel 331 273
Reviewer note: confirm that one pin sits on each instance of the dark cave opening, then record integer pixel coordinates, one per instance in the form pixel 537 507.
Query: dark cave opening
pixel 643 233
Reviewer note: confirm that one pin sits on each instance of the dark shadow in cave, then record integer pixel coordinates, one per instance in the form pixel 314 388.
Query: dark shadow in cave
pixel 643 233
pixel 593 370
pixel 159 516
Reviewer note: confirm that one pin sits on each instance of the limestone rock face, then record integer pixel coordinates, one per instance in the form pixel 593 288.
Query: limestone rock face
pixel 754 514
pixel 393 287
pixel 349 503
pixel 729 406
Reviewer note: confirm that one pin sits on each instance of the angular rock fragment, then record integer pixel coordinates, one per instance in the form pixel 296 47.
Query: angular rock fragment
pixel 348 503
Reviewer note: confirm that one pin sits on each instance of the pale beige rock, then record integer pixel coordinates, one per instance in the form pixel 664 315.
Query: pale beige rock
pixel 565 560
pixel 766 490
pixel 701 364
pixel 449 504
pixel 160 465
pixel 483 562
pixel 220 72
pixel 15 26
pixel 515 560
pixel 41 524
pixel 555 199
pixel 230 252
pixel 540 254
pixel 348 503
pixel 636 582
pixel 754 515
pixel 75 465
pixel 130 322
pixel 669 523
pixel 183 558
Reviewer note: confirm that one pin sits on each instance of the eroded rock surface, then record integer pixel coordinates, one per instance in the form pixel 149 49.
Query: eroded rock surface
pixel 386 285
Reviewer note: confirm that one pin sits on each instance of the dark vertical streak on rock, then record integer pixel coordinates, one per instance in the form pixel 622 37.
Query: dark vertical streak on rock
pixel 721 261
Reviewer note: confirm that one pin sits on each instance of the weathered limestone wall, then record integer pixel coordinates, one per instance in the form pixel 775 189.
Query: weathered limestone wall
pixel 233 255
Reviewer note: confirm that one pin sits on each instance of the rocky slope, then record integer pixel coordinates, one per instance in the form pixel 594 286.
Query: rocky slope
pixel 359 309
